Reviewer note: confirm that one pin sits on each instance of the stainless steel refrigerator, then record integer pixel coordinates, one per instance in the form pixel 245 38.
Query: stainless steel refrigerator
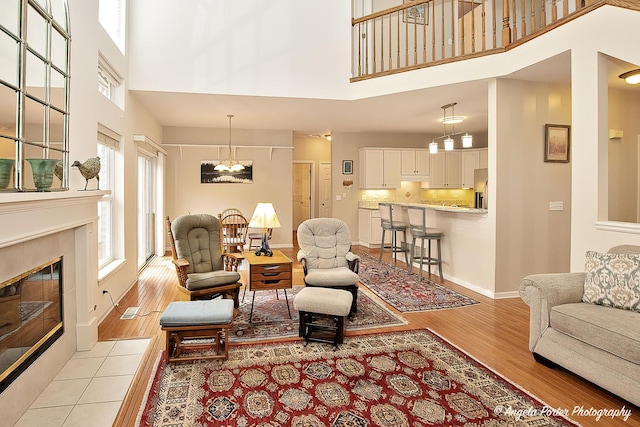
pixel 480 179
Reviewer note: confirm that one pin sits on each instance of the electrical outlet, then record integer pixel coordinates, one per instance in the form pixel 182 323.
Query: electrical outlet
pixel 344 195
pixel 338 197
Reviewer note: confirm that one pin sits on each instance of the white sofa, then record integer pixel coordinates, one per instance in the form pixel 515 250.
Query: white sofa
pixel 599 343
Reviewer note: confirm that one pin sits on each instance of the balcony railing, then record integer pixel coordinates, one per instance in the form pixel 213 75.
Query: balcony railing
pixel 423 33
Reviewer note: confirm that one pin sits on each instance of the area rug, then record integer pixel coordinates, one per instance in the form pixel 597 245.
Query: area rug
pixel 404 291
pixel 412 378
pixel 271 320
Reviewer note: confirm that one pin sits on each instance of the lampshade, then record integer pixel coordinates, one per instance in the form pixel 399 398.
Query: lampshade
pixel 448 144
pixel 433 147
pixel 631 77
pixel 264 217
pixel 467 141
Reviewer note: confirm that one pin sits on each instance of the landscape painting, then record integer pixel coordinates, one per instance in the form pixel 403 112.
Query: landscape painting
pixel 208 174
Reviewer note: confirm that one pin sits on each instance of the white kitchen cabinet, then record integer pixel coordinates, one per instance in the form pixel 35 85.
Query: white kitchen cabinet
pixel 484 158
pixel 445 170
pixel 415 165
pixel 470 161
pixel 369 229
pixel 379 168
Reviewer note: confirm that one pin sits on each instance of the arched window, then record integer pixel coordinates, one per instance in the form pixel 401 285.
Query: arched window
pixel 35 42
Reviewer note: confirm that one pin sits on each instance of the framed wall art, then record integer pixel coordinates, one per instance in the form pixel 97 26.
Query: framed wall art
pixel 418 14
pixel 347 167
pixel 208 174
pixel 557 143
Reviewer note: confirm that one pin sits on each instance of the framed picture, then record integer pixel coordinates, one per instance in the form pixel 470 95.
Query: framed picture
pixel 418 14
pixel 557 142
pixel 347 167
pixel 208 174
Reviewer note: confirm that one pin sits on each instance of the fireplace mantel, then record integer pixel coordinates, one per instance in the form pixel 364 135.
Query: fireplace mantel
pixel 26 216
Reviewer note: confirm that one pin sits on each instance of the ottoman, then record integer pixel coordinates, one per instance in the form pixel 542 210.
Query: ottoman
pixel 188 323
pixel 322 313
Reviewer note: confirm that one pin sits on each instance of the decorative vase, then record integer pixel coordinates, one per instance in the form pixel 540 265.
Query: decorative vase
pixel 6 166
pixel 42 173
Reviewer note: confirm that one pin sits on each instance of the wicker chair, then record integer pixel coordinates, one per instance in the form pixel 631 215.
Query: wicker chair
pixel 204 269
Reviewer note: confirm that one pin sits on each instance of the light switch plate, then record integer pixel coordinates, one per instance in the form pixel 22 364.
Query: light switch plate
pixel 338 197
pixel 556 206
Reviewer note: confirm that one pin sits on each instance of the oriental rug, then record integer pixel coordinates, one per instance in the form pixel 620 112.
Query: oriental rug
pixel 403 291
pixel 271 319
pixel 412 379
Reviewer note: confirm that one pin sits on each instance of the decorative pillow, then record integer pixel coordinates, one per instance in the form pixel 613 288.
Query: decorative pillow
pixel 612 280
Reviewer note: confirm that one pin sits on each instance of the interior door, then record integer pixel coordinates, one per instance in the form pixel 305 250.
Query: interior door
pixel 301 193
pixel 325 190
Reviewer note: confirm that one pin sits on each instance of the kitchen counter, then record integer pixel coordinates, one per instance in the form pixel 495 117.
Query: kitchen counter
pixel 466 210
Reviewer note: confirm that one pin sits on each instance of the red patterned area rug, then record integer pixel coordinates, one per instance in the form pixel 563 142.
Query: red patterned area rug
pixel 404 291
pixel 271 319
pixel 412 379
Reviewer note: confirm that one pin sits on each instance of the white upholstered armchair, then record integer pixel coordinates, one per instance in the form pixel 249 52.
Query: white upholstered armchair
pixel 326 257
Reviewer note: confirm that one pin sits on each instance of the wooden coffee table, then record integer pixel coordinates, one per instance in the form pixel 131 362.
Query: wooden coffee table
pixel 269 273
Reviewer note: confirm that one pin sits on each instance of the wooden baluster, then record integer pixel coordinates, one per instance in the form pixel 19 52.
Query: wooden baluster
pixel 398 40
pixel 473 26
pixel 390 50
pixel 453 25
pixel 463 38
pixel 554 11
pixel 375 41
pixel 359 37
pixel 415 39
pixel 543 14
pixel 533 15
pixel 382 43
pixel 493 24
pixel 565 8
pixel 406 37
pixel 506 30
pixel 442 26
pixel 514 28
pixel 424 32
pixel 433 31
pixel 523 24
pixel 484 35
pixel 366 48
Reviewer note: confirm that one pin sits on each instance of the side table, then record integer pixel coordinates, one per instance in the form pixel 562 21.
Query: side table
pixel 269 273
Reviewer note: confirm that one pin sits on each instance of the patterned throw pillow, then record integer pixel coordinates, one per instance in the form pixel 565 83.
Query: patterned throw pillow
pixel 612 280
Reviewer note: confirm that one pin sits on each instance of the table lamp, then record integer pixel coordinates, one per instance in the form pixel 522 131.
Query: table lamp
pixel 264 217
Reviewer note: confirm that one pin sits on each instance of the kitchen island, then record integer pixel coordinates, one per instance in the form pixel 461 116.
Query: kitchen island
pixel 467 243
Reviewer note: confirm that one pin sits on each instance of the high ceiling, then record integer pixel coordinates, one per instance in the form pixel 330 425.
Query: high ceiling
pixel 416 111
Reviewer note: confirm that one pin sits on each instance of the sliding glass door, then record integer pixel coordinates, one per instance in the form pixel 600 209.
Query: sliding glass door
pixel 146 214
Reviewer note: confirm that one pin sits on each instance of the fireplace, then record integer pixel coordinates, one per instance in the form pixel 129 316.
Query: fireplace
pixel 31 318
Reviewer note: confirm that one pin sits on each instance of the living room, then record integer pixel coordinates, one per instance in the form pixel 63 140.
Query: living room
pixel 254 85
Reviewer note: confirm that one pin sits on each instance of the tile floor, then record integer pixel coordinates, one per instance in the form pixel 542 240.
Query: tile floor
pixel 89 389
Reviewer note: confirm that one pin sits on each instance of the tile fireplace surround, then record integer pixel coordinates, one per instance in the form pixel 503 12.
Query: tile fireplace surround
pixel 36 228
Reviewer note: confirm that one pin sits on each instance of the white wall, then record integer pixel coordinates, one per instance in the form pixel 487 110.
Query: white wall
pixel 263 47
pixel 616 36
pixel 529 237
pixel 271 176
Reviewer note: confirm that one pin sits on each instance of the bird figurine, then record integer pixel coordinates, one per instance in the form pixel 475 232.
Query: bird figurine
pixel 89 170
pixel 57 171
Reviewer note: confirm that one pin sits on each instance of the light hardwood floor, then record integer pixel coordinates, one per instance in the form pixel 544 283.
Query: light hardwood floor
pixel 495 332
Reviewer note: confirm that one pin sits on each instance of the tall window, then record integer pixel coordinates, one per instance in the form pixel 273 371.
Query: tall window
pixel 146 214
pixel 34 85
pixel 111 14
pixel 108 142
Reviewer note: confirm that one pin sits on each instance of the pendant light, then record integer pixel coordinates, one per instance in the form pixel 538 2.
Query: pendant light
pixel 230 165
pixel 467 140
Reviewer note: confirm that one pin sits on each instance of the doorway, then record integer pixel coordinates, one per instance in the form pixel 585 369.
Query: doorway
pixel 302 192
pixel 325 190
pixel 146 214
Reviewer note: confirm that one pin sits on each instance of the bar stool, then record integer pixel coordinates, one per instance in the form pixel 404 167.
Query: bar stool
pixel 388 223
pixel 419 230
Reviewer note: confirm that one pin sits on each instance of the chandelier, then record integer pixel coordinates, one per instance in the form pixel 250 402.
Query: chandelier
pixel 230 165
pixel 452 119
